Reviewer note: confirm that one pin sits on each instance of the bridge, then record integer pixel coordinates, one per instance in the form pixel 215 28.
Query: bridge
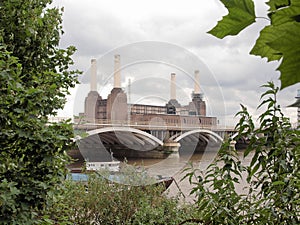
pixel 115 124
pixel 146 139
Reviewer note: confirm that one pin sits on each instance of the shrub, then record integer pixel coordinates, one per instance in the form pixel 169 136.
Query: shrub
pixel 100 201
pixel 273 194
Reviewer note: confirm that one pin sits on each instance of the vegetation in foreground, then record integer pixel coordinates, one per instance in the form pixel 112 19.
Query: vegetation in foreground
pixel 100 201
pixel 272 180
pixel 277 41
pixel 34 80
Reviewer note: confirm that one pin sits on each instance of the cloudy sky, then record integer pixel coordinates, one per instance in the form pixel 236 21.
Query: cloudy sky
pixel 155 38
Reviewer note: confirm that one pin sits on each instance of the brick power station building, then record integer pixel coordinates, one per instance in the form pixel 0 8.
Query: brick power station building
pixel 116 109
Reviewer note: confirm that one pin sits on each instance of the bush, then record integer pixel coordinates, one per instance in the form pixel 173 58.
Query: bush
pixel 273 174
pixel 100 201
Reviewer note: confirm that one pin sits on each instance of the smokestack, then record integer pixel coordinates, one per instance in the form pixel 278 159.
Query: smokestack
pixel 117 72
pixel 197 84
pixel 93 75
pixel 173 86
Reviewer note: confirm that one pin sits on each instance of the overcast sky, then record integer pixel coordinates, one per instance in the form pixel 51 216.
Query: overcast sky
pixel 155 38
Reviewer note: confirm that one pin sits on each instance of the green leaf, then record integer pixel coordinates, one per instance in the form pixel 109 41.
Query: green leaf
pixel 254 159
pixel 286 14
pixel 261 47
pixel 240 15
pixel 279 182
pixel 247 151
pixel 264 102
pixel 254 170
pixel 281 40
pixel 268 92
pixel 277 4
pixel 289 45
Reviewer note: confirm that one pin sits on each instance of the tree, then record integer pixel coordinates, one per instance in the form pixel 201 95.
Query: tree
pixel 34 80
pixel 278 41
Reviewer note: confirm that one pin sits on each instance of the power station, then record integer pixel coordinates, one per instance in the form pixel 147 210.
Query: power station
pixel 116 109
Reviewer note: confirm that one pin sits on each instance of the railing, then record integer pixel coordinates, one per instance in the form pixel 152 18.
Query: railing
pixel 147 125
pixel 152 125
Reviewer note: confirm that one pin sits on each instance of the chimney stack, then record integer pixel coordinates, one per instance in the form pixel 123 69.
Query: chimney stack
pixel 173 86
pixel 93 75
pixel 117 72
pixel 197 84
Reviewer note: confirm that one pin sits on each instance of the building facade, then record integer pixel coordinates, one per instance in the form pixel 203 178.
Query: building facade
pixel 116 109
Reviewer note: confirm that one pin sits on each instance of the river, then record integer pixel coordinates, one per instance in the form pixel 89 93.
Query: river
pixel 175 164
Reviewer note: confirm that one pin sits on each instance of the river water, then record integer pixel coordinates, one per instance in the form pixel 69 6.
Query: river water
pixel 175 165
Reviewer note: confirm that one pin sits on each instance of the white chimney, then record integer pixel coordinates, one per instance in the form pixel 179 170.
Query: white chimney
pixel 173 86
pixel 117 72
pixel 197 82
pixel 93 75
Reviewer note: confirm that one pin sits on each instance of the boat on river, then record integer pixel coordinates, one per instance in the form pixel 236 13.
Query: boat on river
pixel 112 166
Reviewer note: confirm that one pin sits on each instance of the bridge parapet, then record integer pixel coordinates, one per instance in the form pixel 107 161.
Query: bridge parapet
pixel 88 127
pixel 146 125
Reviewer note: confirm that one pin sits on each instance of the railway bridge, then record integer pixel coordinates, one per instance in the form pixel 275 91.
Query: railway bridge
pixel 114 124
pixel 97 141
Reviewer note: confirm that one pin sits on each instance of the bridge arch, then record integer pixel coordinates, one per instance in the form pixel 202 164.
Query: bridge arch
pixel 98 143
pixel 214 135
pixel 139 133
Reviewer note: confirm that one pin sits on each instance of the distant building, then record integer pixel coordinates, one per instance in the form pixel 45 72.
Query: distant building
pixel 297 104
pixel 115 109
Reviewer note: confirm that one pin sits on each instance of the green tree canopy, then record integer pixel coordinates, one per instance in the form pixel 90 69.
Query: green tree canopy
pixel 34 80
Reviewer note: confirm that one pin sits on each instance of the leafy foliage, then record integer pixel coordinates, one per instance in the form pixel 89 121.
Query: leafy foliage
pixel 99 201
pixel 277 41
pixel 273 176
pixel 34 80
pixel 241 14
pixel 217 200
pixel 274 171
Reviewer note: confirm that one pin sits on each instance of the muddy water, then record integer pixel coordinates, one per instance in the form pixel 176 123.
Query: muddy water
pixel 174 166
